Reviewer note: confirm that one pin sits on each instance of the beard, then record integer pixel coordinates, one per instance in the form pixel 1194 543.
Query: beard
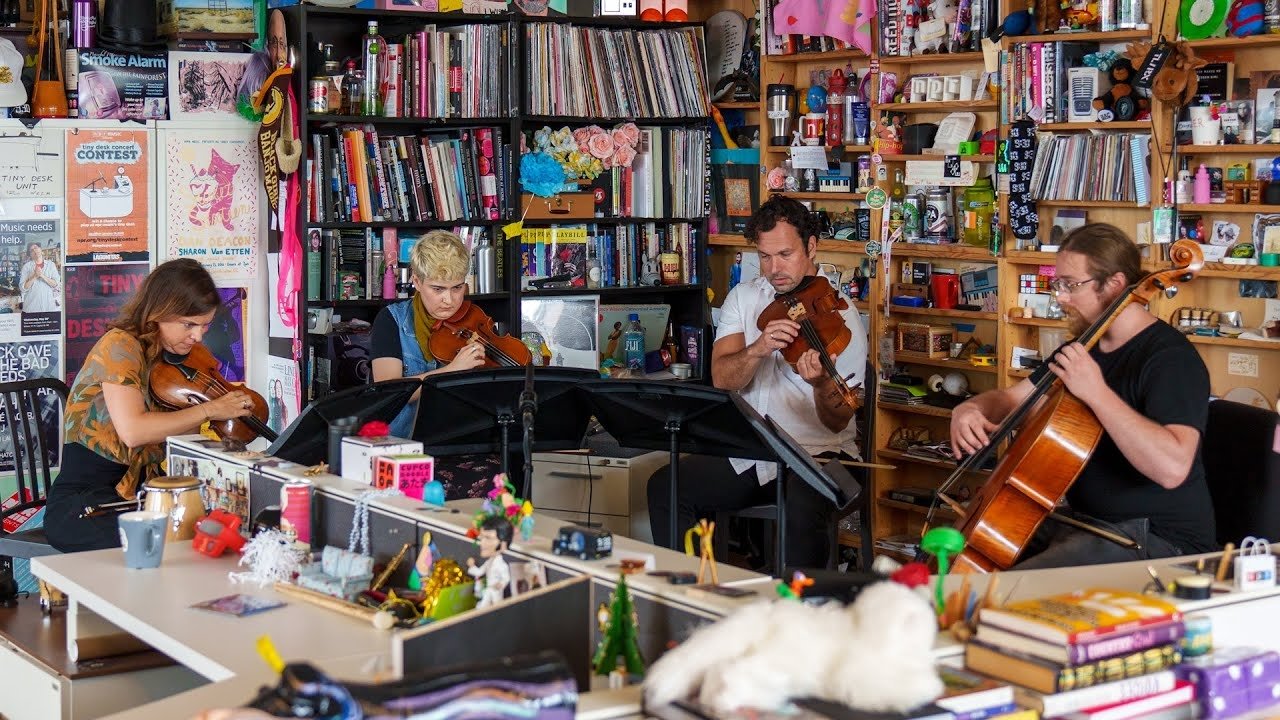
pixel 1076 323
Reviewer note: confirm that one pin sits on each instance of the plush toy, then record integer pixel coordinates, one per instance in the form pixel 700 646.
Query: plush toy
pixel 1176 82
pixel 1120 102
pixel 768 652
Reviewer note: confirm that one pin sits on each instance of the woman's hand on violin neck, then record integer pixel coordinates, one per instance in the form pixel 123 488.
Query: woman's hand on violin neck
pixel 809 366
pixel 471 356
pixel 775 336
pixel 969 429
pixel 233 405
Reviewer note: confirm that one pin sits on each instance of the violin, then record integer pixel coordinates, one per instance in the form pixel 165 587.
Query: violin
pixel 1055 440
pixel 180 381
pixel 815 306
pixel 471 325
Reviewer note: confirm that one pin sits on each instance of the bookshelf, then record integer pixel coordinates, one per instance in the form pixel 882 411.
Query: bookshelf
pixel 432 176
pixel 1217 285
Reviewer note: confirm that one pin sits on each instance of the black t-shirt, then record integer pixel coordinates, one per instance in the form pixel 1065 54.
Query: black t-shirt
pixel 1159 374
pixel 386 336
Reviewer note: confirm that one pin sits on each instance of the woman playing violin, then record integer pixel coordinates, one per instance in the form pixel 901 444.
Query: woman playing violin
pixel 402 331
pixel 114 433
pixel 803 399
pixel 1148 388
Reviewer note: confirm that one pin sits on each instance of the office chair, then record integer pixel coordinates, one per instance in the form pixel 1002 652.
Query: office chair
pixel 1242 470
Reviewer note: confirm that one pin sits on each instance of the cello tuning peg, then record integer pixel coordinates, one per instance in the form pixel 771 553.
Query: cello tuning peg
pixel 1171 291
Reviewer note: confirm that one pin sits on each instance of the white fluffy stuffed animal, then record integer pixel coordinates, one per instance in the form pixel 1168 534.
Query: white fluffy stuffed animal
pixel 872 655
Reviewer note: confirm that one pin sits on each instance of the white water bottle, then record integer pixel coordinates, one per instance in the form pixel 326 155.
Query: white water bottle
pixel 486 267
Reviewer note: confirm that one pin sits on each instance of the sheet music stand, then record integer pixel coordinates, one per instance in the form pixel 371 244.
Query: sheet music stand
pixel 478 411
pixel 306 440
pixel 680 418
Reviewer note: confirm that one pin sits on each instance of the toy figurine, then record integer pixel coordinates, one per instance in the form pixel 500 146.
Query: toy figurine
pixel 493 576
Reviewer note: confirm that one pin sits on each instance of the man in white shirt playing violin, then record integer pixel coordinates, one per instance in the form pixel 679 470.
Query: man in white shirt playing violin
pixel 1149 390
pixel 804 401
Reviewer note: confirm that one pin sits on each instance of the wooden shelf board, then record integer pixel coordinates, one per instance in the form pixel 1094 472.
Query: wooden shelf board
pixel 847 148
pixel 930 58
pixel 1080 126
pixel 943 363
pixel 940 312
pixel 941 512
pixel 850 539
pixel 1229 207
pixel 727 239
pixel 938 158
pixel 1018 372
pixel 1038 322
pixel 738 105
pixel 1093 203
pixel 1260 149
pixel 1106 37
pixel 899 455
pixel 1235 342
pixel 1236 43
pixel 849 54
pixel 1243 272
pixel 928 410
pixel 953 251
pixel 944 106
pixel 1031 257
pixel 849 196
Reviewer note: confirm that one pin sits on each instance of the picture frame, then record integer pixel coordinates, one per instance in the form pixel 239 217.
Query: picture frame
pixel 1265 102
pixel 205 85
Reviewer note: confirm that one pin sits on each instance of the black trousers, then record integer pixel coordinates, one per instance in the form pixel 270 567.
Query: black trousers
pixel 86 478
pixel 708 485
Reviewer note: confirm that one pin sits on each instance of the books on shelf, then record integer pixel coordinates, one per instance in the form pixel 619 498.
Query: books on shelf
pixel 1105 646
pixel 447 175
pixel 1081 615
pixel 349 264
pixel 615 73
pixel 601 255
pixel 1047 676
pixel 1108 167
pixel 1052 705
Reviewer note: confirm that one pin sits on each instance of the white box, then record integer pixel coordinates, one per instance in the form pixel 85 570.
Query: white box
pixel 358 454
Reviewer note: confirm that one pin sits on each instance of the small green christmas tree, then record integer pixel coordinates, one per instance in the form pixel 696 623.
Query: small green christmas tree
pixel 619 636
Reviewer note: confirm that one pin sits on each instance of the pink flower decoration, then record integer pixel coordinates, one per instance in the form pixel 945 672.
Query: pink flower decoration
pixel 580 136
pixel 512 510
pixel 632 132
pixel 601 145
pixel 623 156
pixel 620 137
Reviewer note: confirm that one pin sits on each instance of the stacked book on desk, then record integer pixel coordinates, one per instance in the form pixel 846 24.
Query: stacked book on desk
pixel 1091 654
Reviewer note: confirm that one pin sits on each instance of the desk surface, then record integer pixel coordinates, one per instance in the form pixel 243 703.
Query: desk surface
pixel 44 638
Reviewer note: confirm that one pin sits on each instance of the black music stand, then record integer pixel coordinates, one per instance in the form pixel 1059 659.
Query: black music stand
pixel 680 418
pixel 477 411
pixel 306 440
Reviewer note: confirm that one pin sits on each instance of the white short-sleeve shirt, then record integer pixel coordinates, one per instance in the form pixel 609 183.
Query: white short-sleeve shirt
pixel 778 391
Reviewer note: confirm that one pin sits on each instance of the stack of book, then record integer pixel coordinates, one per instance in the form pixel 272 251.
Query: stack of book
pixel 1090 654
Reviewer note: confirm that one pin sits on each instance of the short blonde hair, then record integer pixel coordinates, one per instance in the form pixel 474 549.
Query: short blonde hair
pixel 439 255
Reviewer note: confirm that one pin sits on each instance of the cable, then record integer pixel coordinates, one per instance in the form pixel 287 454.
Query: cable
pixel 591 488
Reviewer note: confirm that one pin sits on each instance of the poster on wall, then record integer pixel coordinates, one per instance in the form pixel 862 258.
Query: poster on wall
pixel 94 296
pixel 31 164
pixel 107 195
pixel 31 292
pixel 225 337
pixel 282 392
pixel 211 208
pixel 27 361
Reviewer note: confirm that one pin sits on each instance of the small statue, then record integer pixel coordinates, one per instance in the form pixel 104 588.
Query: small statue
pixel 493 576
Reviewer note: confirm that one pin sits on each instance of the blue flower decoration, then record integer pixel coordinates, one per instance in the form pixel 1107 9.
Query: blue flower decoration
pixel 540 174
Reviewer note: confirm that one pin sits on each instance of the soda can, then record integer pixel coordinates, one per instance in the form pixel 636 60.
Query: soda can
pixel 318 96
pixel 295 509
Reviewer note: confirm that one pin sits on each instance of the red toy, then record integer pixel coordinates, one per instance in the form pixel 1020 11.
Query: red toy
pixel 217 532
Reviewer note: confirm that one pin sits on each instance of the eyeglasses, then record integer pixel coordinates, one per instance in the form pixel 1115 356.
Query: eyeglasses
pixel 1062 287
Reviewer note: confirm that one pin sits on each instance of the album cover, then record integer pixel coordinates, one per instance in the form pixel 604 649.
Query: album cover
pixel 239 605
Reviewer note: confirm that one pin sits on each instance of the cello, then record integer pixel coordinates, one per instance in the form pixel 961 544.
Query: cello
pixel 1055 439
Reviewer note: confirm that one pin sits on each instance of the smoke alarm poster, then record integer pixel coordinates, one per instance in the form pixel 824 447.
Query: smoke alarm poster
pixel 211 209
pixel 108 219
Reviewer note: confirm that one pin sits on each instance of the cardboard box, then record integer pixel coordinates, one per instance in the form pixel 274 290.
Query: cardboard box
pixel 408 473
pixel 358 454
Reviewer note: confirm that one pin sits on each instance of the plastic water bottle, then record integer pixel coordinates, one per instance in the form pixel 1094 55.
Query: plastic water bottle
pixel 633 343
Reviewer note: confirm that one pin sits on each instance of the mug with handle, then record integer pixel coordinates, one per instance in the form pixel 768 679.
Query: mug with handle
pixel 142 535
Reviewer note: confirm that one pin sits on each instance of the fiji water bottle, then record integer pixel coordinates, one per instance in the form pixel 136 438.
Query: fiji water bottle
pixel 633 343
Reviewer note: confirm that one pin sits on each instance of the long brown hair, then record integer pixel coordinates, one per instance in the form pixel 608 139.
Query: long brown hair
pixel 176 289
pixel 1108 251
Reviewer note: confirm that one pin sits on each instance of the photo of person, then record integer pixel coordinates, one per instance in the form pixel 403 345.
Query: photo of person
pixel 264 62
pixel 40 282
pixel 278 418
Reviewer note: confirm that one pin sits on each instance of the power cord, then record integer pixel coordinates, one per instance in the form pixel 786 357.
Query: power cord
pixel 591 488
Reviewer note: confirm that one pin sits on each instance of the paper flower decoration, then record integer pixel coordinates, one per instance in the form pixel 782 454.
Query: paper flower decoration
pixel 540 174
pixel 375 428
pixel 502 502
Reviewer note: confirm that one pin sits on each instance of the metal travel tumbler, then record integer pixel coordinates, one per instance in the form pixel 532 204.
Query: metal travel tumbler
pixel 781 111
pixel 338 429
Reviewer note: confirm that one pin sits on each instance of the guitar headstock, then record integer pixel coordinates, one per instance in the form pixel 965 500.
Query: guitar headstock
pixel 1187 258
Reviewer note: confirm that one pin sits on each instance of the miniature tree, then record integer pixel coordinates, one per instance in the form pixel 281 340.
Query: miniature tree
pixel 619 635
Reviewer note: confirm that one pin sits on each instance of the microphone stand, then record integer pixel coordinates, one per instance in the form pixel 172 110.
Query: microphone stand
pixel 528 408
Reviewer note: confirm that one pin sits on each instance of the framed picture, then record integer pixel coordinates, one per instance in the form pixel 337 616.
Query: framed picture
pixel 567 327
pixel 205 84
pixel 1265 112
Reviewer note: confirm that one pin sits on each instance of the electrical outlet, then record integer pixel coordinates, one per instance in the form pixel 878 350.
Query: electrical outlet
pixel 1244 364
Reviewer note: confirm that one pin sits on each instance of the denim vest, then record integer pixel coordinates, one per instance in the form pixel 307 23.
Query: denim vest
pixel 414 363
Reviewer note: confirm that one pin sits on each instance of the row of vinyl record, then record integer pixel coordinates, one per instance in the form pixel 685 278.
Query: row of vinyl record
pixel 600 72
pixel 448 175
pixel 455 72
pixel 1110 166
pixel 605 256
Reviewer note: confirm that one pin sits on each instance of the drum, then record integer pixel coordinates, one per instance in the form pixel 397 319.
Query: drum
pixel 182 498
